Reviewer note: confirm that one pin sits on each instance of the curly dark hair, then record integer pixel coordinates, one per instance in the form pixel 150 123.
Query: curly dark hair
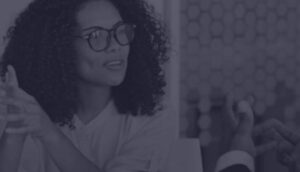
pixel 41 50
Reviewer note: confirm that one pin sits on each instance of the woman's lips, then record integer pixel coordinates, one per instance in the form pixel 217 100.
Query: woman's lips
pixel 114 64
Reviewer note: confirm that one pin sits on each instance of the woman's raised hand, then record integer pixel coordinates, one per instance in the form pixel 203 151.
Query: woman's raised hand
pixel 24 110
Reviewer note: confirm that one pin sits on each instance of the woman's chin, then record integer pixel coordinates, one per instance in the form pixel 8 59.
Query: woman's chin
pixel 109 82
pixel 115 81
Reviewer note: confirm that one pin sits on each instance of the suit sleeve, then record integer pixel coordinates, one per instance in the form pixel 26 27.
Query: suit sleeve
pixel 235 161
pixel 236 168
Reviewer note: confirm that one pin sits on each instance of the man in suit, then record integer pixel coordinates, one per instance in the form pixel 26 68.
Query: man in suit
pixel 242 150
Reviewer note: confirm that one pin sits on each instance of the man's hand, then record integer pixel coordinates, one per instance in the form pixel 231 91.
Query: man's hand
pixel 27 111
pixel 288 142
pixel 242 117
pixel 241 139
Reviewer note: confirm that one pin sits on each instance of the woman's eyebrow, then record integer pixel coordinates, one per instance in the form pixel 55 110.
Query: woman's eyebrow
pixel 91 28
pixel 87 31
pixel 97 27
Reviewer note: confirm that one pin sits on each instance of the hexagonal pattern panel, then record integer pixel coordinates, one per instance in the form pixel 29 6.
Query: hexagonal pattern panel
pixel 241 47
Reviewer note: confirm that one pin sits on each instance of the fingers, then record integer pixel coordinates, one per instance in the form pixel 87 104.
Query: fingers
pixel 27 124
pixel 3 123
pixel 284 152
pixel 21 94
pixel 3 117
pixel 265 147
pixel 11 77
pixel 285 146
pixel 235 109
pixel 23 121
pixel 22 130
pixel 285 159
pixel 288 134
pixel 2 92
pixel 251 100
pixel 12 85
pixel 230 107
pixel 246 118
pixel 12 105
pixel 15 92
pixel 11 118
pixel 278 127
pixel 270 134
pixel 263 128
pixel 14 117
pixel 3 109
pixel 1 80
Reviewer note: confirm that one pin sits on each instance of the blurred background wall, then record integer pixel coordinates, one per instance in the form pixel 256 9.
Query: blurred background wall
pixel 9 9
pixel 243 48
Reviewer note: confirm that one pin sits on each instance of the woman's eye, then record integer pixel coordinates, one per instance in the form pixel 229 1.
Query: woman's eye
pixel 94 34
pixel 122 31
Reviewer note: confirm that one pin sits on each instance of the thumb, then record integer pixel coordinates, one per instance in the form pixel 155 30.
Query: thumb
pixel 246 118
pixel 11 77
pixel 230 111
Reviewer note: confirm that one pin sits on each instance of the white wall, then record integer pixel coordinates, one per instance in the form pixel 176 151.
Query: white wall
pixel 172 17
pixel 9 9
pixel 170 11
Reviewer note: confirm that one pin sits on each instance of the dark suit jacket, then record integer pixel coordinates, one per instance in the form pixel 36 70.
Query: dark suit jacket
pixel 236 168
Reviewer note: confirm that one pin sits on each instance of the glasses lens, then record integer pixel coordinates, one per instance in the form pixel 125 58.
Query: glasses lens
pixel 98 39
pixel 125 34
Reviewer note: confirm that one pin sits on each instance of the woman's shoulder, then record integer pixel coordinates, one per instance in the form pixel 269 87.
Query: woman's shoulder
pixel 161 122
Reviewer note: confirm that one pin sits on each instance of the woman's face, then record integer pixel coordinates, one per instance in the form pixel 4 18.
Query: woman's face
pixel 107 67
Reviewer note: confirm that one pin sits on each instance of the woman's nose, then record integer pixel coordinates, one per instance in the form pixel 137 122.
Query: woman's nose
pixel 113 45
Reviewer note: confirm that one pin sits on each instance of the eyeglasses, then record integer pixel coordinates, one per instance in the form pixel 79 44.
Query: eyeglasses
pixel 99 38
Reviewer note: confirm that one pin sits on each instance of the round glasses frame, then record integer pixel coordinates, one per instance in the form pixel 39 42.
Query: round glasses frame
pixel 111 33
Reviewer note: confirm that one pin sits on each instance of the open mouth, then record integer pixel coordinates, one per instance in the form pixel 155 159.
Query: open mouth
pixel 115 64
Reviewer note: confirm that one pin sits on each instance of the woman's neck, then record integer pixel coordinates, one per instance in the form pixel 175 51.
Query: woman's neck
pixel 92 100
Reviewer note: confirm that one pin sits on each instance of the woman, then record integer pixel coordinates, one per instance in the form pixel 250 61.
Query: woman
pixel 84 82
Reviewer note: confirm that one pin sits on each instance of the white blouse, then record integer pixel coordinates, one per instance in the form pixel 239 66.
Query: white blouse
pixel 114 142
